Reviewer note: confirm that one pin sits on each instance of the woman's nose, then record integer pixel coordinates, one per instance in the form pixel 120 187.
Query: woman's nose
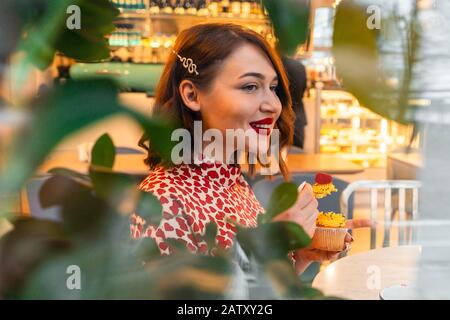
pixel 270 103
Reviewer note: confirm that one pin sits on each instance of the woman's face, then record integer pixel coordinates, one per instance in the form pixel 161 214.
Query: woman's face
pixel 242 96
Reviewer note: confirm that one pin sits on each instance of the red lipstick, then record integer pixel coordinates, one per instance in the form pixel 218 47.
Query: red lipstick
pixel 263 126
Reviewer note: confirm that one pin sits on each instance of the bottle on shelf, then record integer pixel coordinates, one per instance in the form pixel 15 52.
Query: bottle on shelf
pixel 254 11
pixel 154 7
pixel 137 55
pixel 224 7
pixel 144 51
pixel 246 9
pixel 129 4
pixel 263 10
pixel 202 8
pixel 147 55
pixel 214 7
pixel 166 7
pixel 142 5
pixel 190 7
pixel 179 7
pixel 120 4
pixel 236 8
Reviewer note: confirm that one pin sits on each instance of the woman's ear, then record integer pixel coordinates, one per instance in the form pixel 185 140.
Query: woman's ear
pixel 189 94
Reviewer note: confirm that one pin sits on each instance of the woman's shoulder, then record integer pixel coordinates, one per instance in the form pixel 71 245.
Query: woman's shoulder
pixel 174 186
pixel 162 177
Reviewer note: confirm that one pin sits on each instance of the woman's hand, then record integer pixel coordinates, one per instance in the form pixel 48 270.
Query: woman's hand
pixel 305 256
pixel 304 211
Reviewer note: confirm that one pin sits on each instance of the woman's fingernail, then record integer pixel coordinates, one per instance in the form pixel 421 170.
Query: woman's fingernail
pixel 300 188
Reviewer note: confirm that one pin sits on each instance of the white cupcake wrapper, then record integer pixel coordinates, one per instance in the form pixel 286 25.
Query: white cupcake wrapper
pixel 329 239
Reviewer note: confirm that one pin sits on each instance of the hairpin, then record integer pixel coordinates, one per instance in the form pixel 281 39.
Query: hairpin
pixel 187 63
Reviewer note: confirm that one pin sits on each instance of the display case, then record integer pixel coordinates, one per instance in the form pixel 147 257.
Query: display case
pixel 356 133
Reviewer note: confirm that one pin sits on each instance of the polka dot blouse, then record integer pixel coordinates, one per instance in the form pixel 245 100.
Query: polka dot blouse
pixel 192 196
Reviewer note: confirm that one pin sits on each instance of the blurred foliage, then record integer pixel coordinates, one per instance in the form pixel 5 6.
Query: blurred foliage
pixel 362 66
pixel 290 19
pixel 104 153
pixel 44 30
pixel 282 198
pixel 65 110
pixel 94 232
pixel 35 257
pixel 376 83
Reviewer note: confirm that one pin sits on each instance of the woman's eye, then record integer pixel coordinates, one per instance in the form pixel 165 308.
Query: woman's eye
pixel 273 87
pixel 250 88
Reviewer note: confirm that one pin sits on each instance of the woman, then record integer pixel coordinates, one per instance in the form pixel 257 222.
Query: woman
pixel 228 77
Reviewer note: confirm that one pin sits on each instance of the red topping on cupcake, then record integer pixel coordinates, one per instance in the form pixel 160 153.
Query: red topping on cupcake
pixel 323 178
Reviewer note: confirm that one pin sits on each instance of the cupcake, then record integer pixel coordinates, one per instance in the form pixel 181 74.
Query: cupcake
pixel 323 185
pixel 330 232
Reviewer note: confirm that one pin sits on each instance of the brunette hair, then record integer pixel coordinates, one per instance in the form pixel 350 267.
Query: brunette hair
pixel 208 45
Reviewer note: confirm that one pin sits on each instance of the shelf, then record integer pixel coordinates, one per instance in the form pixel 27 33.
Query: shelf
pixel 329 117
pixel 132 14
pixel 251 20
pixel 141 14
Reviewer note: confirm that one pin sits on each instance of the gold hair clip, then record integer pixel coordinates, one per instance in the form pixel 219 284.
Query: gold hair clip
pixel 187 63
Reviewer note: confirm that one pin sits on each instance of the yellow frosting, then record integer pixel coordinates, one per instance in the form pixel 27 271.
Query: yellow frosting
pixel 323 190
pixel 330 220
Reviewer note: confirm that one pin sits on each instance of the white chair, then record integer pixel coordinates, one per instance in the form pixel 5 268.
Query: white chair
pixel 392 189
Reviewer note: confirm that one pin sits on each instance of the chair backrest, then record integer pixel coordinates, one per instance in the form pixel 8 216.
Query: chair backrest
pixel 392 189
pixel 295 150
pixel 36 211
pixel 128 150
pixel 264 188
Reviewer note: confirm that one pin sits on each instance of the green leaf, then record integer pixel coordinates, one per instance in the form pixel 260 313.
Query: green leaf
pixel 149 208
pixel 290 19
pixel 115 187
pixel 282 198
pixel 287 283
pixel 68 109
pixel 176 246
pixel 159 130
pixel 89 44
pixel 210 235
pixel 105 272
pixel 189 276
pixel 46 32
pixel 82 213
pixel 24 248
pixel 103 152
pixel 272 241
pixel 145 249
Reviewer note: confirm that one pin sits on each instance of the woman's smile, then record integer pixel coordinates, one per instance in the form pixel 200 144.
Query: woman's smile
pixel 263 126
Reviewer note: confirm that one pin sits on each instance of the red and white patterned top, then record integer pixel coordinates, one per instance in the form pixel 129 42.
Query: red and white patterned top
pixel 193 196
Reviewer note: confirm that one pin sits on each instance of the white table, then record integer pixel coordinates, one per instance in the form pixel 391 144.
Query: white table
pixel 354 277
